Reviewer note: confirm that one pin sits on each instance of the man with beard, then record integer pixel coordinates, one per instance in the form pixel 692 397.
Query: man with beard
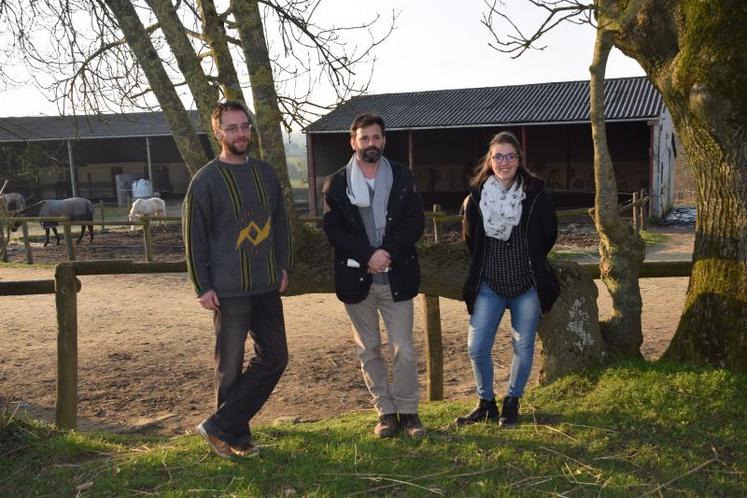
pixel 373 217
pixel 238 252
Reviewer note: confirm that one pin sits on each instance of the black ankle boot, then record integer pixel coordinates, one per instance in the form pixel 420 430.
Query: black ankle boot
pixel 510 412
pixel 485 411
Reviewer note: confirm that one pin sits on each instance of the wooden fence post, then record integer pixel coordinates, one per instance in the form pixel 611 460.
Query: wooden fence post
pixel 66 301
pixel 434 361
pixel 27 243
pixel 643 210
pixel 68 240
pixel 147 240
pixel 3 252
pixel 635 212
pixel 433 346
pixel 436 224
pixel 101 211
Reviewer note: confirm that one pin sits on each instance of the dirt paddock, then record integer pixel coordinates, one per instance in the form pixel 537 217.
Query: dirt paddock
pixel 145 347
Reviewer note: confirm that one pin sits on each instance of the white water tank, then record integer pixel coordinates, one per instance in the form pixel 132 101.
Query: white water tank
pixel 142 189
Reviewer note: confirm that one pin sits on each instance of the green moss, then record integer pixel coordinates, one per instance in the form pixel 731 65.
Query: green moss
pixel 713 50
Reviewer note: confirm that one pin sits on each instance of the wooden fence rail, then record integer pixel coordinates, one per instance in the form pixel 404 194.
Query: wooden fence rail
pixel 66 285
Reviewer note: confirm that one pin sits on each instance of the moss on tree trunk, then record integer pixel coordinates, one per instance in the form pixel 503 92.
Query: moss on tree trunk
pixel 694 54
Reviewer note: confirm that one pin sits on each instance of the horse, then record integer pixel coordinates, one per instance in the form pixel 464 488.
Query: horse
pixel 75 208
pixel 154 206
pixel 14 201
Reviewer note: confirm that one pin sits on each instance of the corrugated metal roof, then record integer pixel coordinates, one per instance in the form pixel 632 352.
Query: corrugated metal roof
pixel 135 124
pixel 541 103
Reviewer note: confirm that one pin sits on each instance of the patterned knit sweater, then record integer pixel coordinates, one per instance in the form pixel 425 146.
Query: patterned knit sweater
pixel 235 227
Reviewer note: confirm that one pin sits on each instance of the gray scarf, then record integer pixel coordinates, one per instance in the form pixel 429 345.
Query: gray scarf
pixel 359 194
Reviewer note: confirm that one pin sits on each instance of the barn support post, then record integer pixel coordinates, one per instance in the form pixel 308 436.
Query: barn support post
pixel 150 165
pixel 73 180
pixel 27 243
pixel 311 175
pixel 66 415
pixel 67 230
pixel 147 240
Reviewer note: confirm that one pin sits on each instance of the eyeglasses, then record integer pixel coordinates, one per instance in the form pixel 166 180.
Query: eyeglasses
pixel 246 128
pixel 510 157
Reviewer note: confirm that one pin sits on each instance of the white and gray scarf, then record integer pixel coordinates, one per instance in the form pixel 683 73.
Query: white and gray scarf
pixel 359 194
pixel 501 207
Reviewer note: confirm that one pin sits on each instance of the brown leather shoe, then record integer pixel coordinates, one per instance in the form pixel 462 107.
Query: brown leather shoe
pixel 412 425
pixel 387 425
pixel 245 449
pixel 220 447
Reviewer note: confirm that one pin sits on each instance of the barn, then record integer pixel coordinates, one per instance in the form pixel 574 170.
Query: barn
pixel 97 157
pixel 442 134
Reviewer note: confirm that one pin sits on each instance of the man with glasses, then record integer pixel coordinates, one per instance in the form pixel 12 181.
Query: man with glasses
pixel 238 252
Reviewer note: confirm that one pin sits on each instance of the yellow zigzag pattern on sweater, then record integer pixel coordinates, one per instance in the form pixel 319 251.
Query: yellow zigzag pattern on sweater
pixel 260 234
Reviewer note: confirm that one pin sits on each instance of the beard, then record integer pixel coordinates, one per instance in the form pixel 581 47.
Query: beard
pixel 370 154
pixel 238 149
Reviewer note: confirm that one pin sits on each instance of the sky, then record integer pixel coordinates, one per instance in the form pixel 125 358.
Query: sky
pixel 437 44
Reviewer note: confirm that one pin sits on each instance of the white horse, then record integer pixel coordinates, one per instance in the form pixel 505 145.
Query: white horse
pixel 154 206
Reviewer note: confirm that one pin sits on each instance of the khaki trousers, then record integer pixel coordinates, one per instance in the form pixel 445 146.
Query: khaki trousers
pixel 401 395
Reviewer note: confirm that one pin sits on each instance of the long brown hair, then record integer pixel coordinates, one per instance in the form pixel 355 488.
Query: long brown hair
pixel 484 170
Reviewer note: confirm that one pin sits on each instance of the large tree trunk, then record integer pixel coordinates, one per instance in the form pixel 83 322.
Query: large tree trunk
pixel 269 118
pixel 694 54
pixel 214 33
pixel 205 95
pixel 621 250
pixel 187 140
pixel 215 36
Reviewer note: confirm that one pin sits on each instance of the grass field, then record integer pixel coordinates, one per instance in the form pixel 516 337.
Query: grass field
pixel 634 429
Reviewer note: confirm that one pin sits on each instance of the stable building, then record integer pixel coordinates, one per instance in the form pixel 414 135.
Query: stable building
pixel 441 135
pixel 97 157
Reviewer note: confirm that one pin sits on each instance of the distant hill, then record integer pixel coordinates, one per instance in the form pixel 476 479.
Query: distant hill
pixel 295 153
pixel 295 144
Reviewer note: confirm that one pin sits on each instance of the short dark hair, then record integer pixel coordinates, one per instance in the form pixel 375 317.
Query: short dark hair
pixel 363 120
pixel 229 105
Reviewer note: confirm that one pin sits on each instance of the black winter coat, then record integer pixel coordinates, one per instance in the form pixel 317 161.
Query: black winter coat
pixel 540 222
pixel 347 234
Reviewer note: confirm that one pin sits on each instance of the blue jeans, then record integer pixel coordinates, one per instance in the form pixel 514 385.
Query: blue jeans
pixel 483 325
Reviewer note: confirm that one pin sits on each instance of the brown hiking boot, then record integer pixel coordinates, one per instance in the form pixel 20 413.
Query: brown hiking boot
pixel 412 425
pixel 387 425
pixel 220 447
pixel 245 449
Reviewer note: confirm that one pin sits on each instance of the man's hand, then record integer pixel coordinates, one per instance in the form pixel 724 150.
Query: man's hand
pixel 380 261
pixel 209 300
pixel 283 281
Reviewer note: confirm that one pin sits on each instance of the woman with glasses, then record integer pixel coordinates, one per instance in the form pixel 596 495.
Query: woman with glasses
pixel 509 226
